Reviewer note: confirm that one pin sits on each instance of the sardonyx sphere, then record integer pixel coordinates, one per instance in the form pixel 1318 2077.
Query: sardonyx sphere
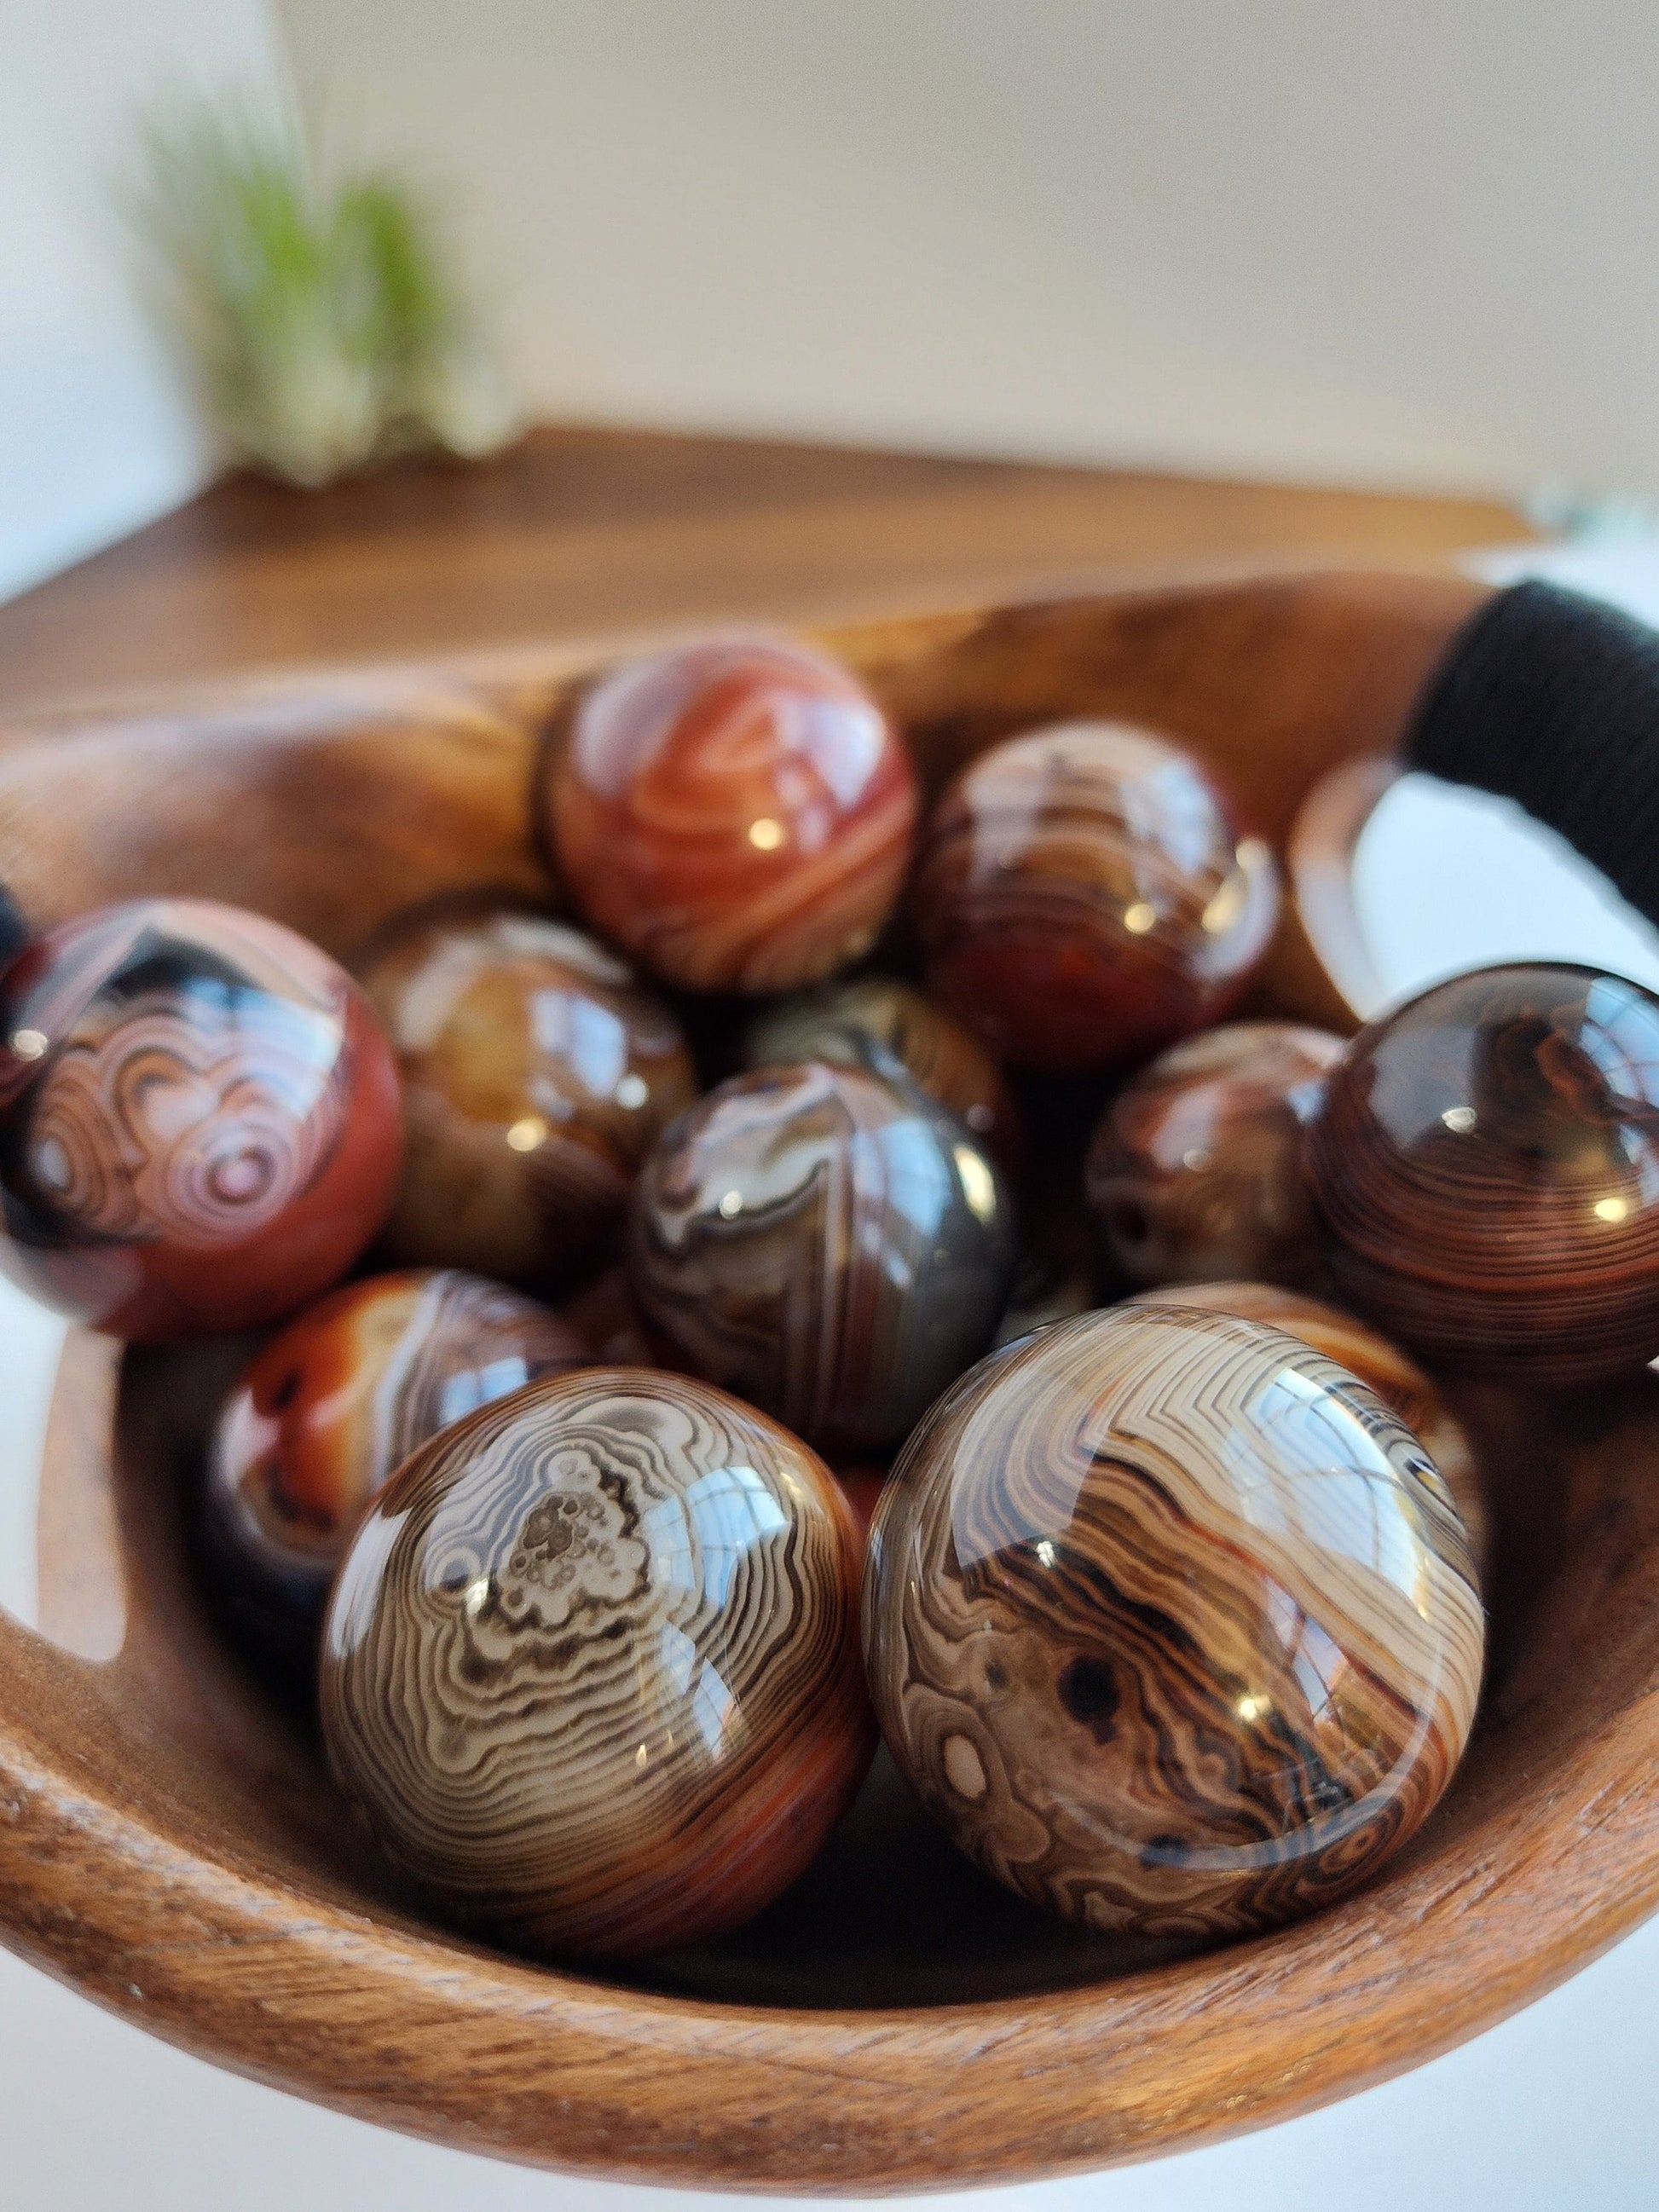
pixel 537 1076
pixel 1084 898
pixel 855 1022
pixel 1166 1621
pixel 736 814
pixel 199 1120
pixel 1396 1379
pixel 591 1665
pixel 1486 1159
pixel 828 1244
pixel 333 1406
pixel 1195 1173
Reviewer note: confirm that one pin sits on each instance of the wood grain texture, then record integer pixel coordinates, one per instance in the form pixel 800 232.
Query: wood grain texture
pixel 1171 1622
pixel 584 531
pixel 157 1816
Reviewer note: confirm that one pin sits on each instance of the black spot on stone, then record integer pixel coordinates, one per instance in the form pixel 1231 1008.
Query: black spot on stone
pixel 996 1675
pixel 1088 1690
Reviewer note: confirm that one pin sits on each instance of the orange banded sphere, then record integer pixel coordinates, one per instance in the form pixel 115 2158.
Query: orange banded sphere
pixel 737 814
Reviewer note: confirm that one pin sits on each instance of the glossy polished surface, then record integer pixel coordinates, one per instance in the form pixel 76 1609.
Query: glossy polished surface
pixel 333 1406
pixel 198 1119
pixel 1084 898
pixel 1487 1161
pixel 830 1244
pixel 842 1021
pixel 1195 1173
pixel 1166 1624
pixel 537 1076
pixel 737 814
pixel 1397 1380
pixel 591 1665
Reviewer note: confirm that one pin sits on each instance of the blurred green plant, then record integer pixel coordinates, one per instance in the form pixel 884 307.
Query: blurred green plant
pixel 322 317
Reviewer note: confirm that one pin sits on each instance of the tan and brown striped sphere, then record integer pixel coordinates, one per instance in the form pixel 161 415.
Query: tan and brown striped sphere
pixel 591 1666
pixel 1084 898
pixel 1396 1379
pixel 1169 1623
pixel 1486 1159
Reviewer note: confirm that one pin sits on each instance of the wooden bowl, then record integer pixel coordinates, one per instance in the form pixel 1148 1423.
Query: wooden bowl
pixel 167 1841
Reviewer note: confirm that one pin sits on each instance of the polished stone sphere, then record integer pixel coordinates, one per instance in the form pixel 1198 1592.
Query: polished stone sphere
pixel 1170 1625
pixel 199 1119
pixel 1398 1381
pixel 828 1244
pixel 856 1023
pixel 1084 897
pixel 537 1076
pixel 591 1668
pixel 332 1406
pixel 1486 1161
pixel 736 814
pixel 1195 1173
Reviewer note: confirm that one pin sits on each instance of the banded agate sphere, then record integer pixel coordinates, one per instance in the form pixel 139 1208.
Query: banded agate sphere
pixel 737 815
pixel 199 1119
pixel 1168 1620
pixel 332 1406
pixel 591 1668
pixel 1084 898
pixel 1486 1160
pixel 829 1243
pixel 1397 1380
pixel 537 1076
pixel 854 1024
pixel 1195 1173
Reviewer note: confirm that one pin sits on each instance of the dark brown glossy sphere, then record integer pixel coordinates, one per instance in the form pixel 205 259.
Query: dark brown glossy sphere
pixel 537 1076
pixel 737 814
pixel 1085 898
pixel 828 1244
pixel 1169 1623
pixel 1195 1173
pixel 1486 1160
pixel 1397 1380
pixel 332 1406
pixel 854 1024
pixel 199 1124
pixel 591 1664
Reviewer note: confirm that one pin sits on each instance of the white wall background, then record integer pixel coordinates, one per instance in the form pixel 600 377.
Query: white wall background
pixel 1387 239
pixel 96 435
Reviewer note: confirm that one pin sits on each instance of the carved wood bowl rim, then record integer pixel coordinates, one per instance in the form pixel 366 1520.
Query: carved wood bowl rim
pixel 123 1886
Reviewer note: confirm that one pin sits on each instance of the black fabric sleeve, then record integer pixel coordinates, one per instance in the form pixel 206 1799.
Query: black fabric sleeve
pixel 1552 700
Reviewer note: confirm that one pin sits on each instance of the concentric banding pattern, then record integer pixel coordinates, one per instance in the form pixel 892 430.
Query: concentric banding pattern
pixel 1397 1380
pixel 1196 1174
pixel 1083 897
pixel 336 1402
pixel 1487 1161
pixel 1164 1621
pixel 591 1666
pixel 738 814
pixel 828 1243
pixel 183 1086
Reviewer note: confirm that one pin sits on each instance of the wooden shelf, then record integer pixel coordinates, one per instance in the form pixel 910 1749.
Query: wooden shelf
pixel 585 531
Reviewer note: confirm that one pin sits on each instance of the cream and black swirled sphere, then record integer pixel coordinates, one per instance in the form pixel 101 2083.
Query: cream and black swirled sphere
pixel 827 1242
pixel 591 1666
pixel 1171 1622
